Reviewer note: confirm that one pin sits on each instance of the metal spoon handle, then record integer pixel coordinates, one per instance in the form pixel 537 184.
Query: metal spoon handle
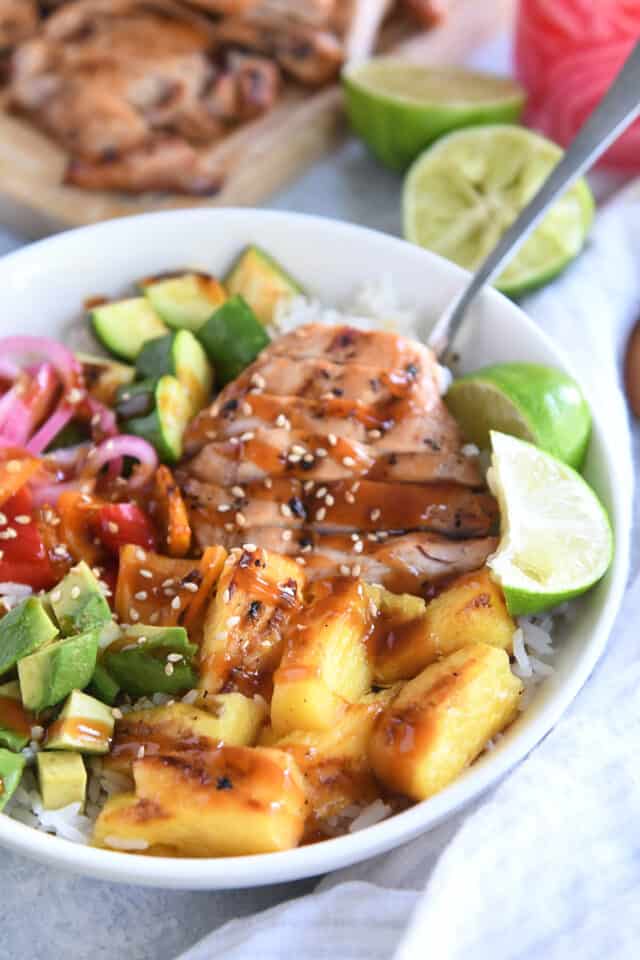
pixel 612 116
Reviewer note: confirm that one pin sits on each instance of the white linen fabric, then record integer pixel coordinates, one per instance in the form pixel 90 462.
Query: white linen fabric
pixel 548 864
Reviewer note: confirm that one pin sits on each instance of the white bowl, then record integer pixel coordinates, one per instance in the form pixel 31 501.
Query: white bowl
pixel 43 287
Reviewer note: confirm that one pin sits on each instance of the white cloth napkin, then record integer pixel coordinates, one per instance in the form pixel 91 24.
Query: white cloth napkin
pixel 547 865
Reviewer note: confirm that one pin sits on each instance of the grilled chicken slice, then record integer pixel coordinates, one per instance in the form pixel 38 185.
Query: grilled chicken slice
pixel 427 12
pixel 289 453
pixel 342 506
pixel 348 344
pixel 18 20
pixel 408 563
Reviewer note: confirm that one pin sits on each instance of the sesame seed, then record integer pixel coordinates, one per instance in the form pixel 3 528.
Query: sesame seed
pixel 355 570
pixel 75 593
pixel 234 441
pixel 134 616
pixel 355 486
pixel 175 603
pixel 174 658
pixel 285 510
pixel 116 713
pixel 349 497
pixel 301 561
pixel 240 519
pixel 287 535
pixel 154 617
pixel 249 547
pixel 140 595
pixel 247 409
pixel 142 641
pixel 3 519
pixel 245 437
pixel 321 492
pixel 374 434
pixel 109 445
pixel 60 550
pixel 141 751
pixel 281 421
pixel 307 548
pixel 169 582
pixel 8 534
pixel 145 573
pixel 229 527
pixel 298 448
pixel 226 596
pixel 373 537
pixel 321 452
pixel 233 622
pixel 359 546
pixel 190 586
pixel 375 514
pixel 237 491
pixel 85 497
pixel 141 555
pixel 56 596
pixel 321 514
pixel 307 486
pixel 294 458
pixel 113 527
pixel 268 482
pixel 348 462
pixel 344 570
pixel 22 519
pixel 224 508
pixel 37 732
pixel 96 418
pixel 329 500
pixel 333 440
pixel 75 395
pixel 308 458
pixel 211 435
pixel 258 381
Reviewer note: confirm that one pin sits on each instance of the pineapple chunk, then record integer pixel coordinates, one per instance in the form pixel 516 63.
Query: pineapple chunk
pixel 405 640
pixel 325 662
pixel 442 720
pixel 242 638
pixel 228 802
pixel 179 729
pixel 335 763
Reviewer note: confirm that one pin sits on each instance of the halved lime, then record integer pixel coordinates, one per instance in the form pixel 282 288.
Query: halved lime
pixel 536 403
pixel 463 193
pixel 556 540
pixel 399 108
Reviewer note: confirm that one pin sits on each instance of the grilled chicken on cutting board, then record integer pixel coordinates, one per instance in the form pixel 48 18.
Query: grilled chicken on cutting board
pixel 334 446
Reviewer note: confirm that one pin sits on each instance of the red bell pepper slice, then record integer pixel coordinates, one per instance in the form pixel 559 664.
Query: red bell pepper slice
pixel 23 555
pixel 123 523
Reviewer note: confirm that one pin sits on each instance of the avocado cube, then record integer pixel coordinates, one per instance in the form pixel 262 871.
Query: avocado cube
pixel 15 722
pixel 84 724
pixel 172 639
pixel 78 602
pixel 46 677
pixel 103 686
pixel 62 778
pixel 11 767
pixel 23 630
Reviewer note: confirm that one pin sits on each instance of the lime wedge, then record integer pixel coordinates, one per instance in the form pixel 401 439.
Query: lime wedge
pixel 527 400
pixel 398 108
pixel 465 191
pixel 556 540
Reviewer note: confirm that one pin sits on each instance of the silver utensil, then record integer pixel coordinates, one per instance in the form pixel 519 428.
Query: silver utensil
pixel 611 117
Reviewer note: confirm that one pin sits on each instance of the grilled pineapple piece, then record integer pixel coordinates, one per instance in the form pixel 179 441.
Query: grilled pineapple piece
pixel 228 802
pixel 179 729
pixel 442 720
pixel 242 638
pixel 471 610
pixel 325 663
pixel 335 763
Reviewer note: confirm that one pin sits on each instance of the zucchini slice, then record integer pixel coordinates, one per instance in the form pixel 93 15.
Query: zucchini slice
pixel 232 338
pixel 125 326
pixel 164 427
pixel 103 377
pixel 185 301
pixel 181 355
pixel 262 282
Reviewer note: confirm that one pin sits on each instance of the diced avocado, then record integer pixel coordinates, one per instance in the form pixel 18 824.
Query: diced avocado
pixel 84 724
pixel 103 685
pixel 232 338
pixel 78 601
pixel 62 778
pixel 181 355
pixel 125 326
pixel 262 282
pixel 11 767
pixel 140 674
pixel 164 427
pixel 23 630
pixel 104 377
pixel 171 639
pixel 185 301
pixel 15 722
pixel 46 677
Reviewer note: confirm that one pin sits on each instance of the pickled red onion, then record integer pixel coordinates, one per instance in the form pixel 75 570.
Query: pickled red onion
pixel 125 445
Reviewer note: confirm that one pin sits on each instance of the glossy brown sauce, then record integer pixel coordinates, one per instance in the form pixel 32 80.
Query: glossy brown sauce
pixel 82 729
pixel 14 717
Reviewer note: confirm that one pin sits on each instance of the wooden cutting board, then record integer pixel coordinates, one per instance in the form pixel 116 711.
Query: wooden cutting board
pixel 257 159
